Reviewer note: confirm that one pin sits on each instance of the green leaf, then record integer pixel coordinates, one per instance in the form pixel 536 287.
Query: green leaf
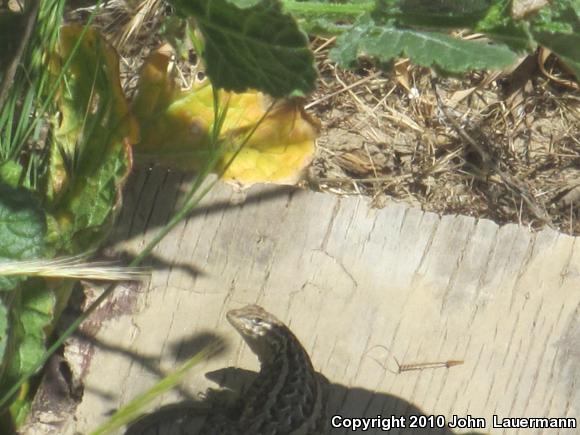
pixel 424 48
pixel 322 27
pixel 10 173
pixel 34 313
pixel 433 13
pixel 19 410
pixel 93 204
pixel 500 26
pixel 22 229
pixel 563 16
pixel 244 3
pixel 31 312
pixel 257 47
pixel 90 157
pixel 558 29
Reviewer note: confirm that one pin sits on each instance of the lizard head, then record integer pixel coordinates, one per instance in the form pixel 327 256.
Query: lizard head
pixel 258 328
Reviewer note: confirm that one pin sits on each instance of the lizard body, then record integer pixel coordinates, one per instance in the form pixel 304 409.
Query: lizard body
pixel 288 397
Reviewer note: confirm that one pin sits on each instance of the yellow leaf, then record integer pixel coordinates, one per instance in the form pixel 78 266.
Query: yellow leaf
pixel 176 126
pixel 95 115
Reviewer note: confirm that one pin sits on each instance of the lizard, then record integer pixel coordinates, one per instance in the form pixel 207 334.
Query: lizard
pixel 288 397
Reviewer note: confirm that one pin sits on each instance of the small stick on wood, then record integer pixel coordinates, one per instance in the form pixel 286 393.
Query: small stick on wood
pixel 428 365
pixel 401 368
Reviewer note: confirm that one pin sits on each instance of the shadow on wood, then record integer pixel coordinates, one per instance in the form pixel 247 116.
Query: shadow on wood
pixel 185 418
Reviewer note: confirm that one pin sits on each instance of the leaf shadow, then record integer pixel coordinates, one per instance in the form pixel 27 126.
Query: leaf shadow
pixel 148 210
pixel 181 349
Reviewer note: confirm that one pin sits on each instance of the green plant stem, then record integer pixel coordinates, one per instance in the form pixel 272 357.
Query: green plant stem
pixel 312 9
pixel 132 410
pixel 189 205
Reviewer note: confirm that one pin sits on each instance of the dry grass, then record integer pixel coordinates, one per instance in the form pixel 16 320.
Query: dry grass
pixel 503 146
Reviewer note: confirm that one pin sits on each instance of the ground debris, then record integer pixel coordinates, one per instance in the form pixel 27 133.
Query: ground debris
pixel 386 137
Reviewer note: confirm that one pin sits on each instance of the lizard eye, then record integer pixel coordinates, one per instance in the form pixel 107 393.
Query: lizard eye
pixel 256 321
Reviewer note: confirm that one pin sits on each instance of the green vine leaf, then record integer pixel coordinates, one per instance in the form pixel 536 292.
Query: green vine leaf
pixel 257 47
pixel 424 48
pixel 22 229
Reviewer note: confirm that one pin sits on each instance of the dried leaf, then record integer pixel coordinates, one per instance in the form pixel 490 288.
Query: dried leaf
pixel 175 128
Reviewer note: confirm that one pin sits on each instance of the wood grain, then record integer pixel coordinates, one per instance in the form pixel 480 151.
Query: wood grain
pixel 359 287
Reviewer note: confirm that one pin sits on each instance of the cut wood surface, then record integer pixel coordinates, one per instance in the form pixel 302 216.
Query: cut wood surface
pixel 361 288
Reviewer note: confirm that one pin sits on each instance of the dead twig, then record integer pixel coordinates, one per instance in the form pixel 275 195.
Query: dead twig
pixel 344 89
pixel 11 70
pixel 401 368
